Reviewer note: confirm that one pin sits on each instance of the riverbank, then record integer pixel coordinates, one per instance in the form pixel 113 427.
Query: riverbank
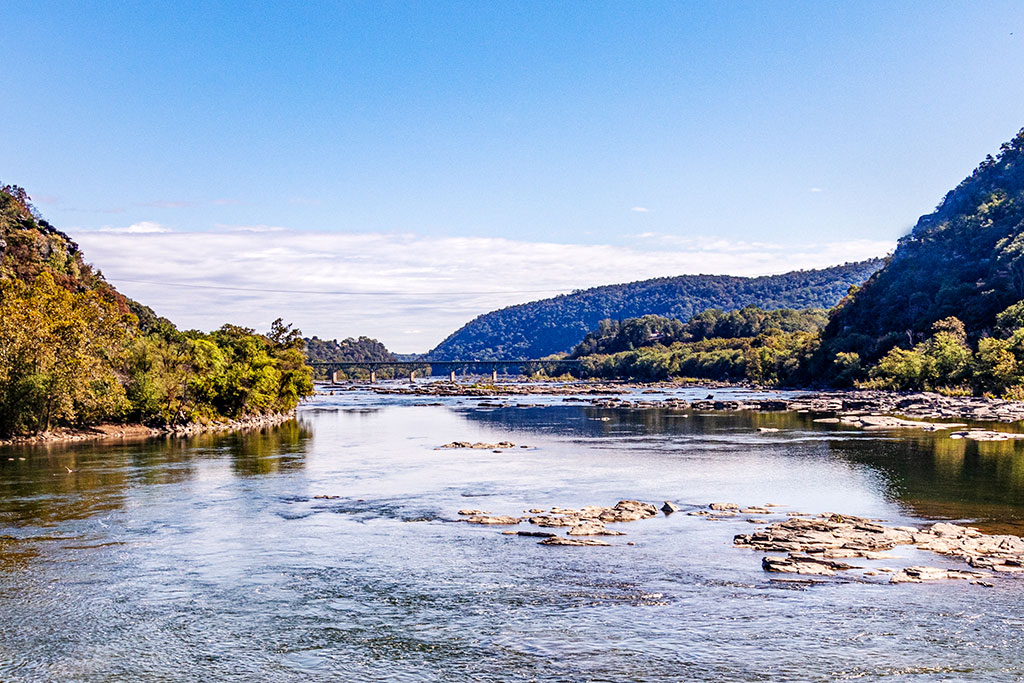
pixel 138 431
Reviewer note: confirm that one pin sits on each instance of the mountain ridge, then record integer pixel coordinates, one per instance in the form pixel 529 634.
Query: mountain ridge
pixel 555 325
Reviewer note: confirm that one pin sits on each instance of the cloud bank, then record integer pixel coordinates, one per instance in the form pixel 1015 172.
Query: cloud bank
pixel 410 291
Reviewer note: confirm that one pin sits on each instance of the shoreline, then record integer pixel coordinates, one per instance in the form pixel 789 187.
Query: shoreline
pixel 138 431
pixel 919 405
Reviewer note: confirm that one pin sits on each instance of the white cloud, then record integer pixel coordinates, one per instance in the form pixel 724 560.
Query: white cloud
pixel 817 189
pixel 410 291
pixel 250 228
pixel 142 227
pixel 640 209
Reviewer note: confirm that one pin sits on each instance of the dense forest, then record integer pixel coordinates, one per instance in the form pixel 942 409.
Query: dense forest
pixel 74 351
pixel 556 325
pixel 765 347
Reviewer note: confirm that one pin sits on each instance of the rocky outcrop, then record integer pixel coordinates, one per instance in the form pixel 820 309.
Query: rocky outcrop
pixel 841 536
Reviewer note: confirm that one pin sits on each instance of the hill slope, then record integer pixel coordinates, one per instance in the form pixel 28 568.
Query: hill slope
pixel 966 259
pixel 556 325
pixel 75 352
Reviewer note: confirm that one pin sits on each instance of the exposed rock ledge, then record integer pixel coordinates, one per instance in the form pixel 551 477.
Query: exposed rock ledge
pixel 812 544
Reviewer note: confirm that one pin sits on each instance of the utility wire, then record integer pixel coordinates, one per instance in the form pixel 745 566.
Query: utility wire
pixel 337 293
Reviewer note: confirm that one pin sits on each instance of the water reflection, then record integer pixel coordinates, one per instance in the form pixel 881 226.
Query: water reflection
pixel 930 474
pixel 51 483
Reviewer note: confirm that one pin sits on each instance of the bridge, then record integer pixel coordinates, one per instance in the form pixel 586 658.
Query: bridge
pixel 333 367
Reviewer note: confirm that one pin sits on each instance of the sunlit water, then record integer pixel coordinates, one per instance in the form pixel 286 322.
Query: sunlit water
pixel 211 559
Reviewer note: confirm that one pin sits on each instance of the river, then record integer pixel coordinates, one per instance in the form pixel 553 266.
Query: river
pixel 212 558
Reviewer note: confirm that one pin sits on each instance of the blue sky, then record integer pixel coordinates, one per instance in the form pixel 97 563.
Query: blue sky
pixel 643 126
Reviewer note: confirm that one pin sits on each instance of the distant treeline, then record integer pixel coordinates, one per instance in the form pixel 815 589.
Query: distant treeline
pixel 358 350
pixel 766 347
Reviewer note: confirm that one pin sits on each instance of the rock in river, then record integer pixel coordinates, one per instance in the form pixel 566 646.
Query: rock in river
pixel 561 540
pixel 803 564
pixel 593 529
pixel 493 519
pixel 922 574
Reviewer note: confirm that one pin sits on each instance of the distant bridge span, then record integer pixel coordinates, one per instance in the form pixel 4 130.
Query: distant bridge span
pixel 453 365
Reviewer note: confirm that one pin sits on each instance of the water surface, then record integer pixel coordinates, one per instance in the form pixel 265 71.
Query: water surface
pixel 212 558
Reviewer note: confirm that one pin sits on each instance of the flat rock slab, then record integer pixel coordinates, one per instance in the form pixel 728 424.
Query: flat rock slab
pixel 985 435
pixel 561 540
pixel 478 445
pixel 889 422
pixel 493 519
pixel 923 574
pixel 593 530
pixel 803 564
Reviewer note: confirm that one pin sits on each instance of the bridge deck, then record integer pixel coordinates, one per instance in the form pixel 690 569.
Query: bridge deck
pixel 441 363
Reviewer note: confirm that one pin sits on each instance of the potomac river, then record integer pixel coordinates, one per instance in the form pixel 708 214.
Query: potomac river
pixel 332 548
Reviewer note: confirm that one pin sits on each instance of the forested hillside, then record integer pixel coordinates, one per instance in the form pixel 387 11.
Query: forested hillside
pixel 556 325
pixel 74 351
pixel 966 259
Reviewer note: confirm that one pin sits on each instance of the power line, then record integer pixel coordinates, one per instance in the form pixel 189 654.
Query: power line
pixel 332 293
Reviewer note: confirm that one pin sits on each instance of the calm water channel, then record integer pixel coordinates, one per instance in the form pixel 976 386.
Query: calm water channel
pixel 212 559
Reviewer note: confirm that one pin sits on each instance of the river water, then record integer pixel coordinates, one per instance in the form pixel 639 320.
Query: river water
pixel 211 558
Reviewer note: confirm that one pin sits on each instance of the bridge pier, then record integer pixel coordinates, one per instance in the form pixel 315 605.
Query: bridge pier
pixel 334 377
pixel 412 377
pixel 373 376
pixel 494 375
pixel 451 377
